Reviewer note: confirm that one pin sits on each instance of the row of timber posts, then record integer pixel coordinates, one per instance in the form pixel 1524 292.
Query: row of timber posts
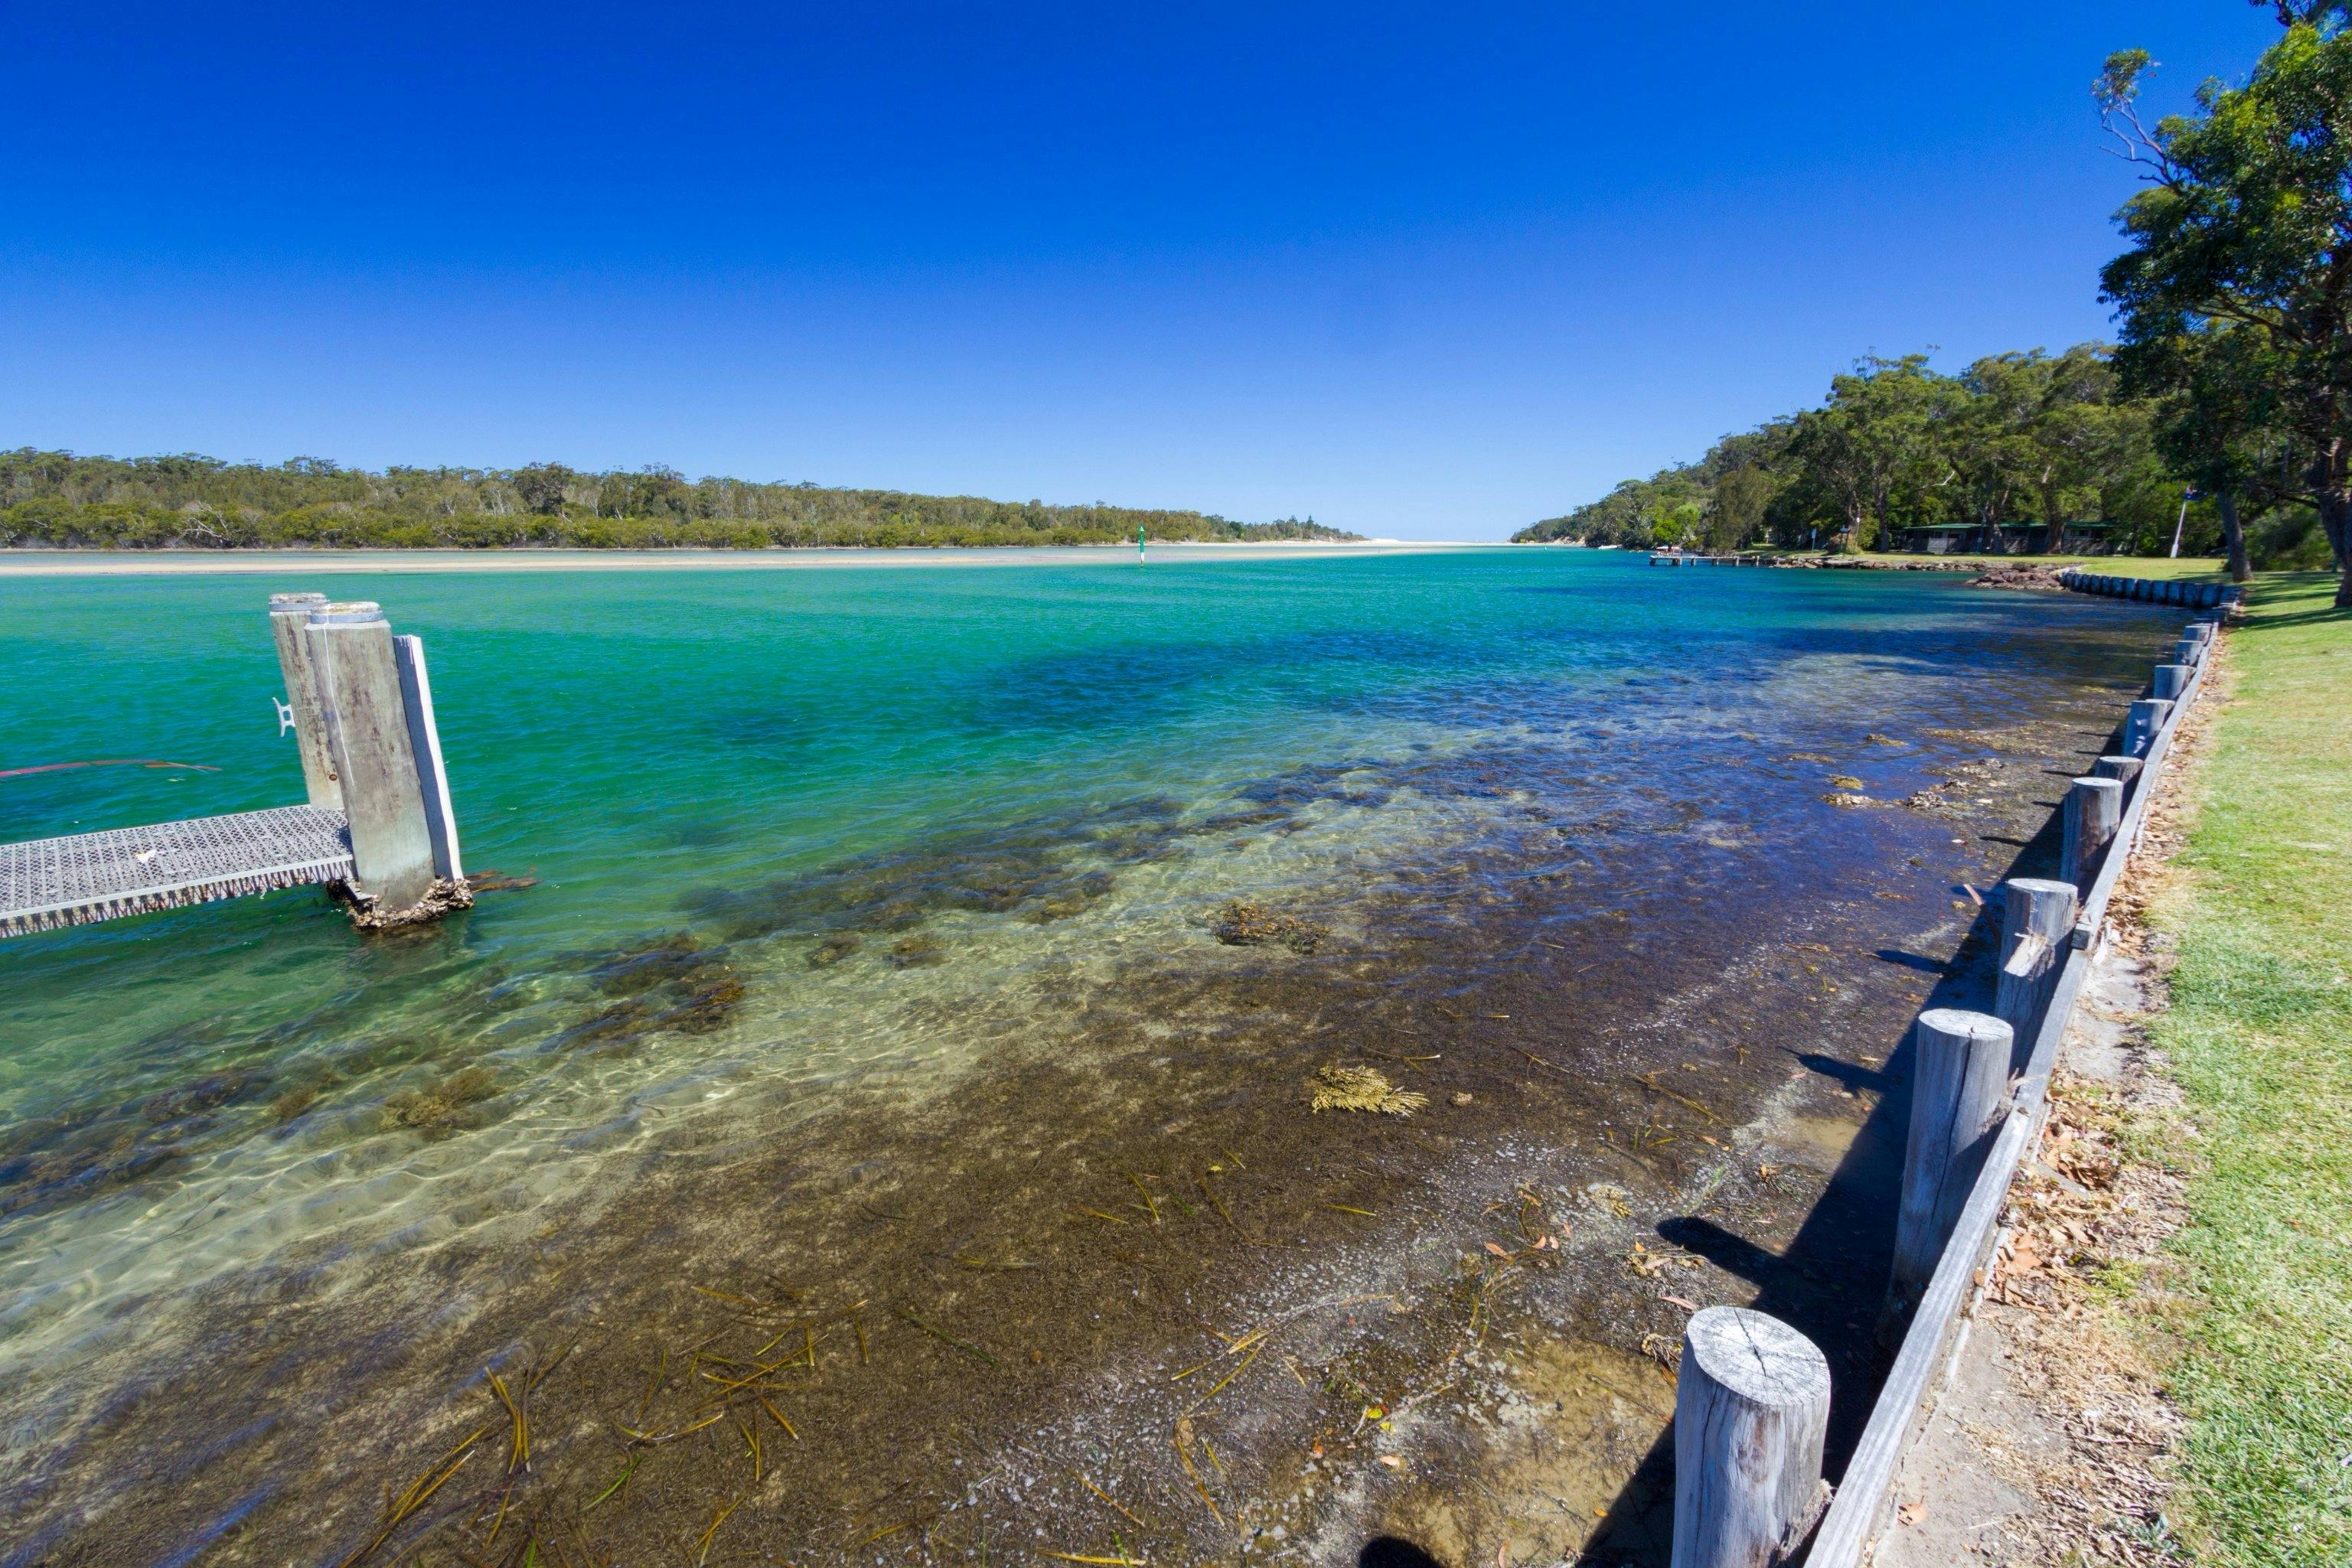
pixel 2154 590
pixel 360 703
pixel 1752 1401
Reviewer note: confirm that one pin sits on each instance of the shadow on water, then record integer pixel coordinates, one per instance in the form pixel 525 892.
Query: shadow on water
pixel 1827 1283
pixel 1394 1552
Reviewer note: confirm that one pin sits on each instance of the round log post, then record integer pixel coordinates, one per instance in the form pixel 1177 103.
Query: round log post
pixel 2037 927
pixel 2122 770
pixel 2147 717
pixel 1751 1418
pixel 1958 1096
pixel 2171 680
pixel 2093 808
pixel 2188 650
pixel 2199 632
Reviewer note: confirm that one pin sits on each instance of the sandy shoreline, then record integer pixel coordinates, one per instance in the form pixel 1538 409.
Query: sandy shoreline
pixel 178 563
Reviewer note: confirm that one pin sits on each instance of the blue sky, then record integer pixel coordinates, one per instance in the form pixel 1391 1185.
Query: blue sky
pixel 1422 271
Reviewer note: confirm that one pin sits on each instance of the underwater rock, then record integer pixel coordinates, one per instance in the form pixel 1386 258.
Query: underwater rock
pixel 622 1021
pixel 917 953
pixel 833 950
pixel 447 1106
pixel 1243 923
pixel 674 958
pixel 707 1007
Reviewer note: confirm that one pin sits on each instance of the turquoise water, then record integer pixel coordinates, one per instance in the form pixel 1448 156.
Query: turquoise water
pixel 791 827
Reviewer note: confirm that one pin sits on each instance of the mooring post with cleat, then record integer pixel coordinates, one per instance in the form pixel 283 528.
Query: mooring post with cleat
pixel 381 753
pixel 288 613
pixel 1751 1421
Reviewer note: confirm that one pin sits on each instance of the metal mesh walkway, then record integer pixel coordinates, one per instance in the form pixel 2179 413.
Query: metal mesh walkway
pixel 48 882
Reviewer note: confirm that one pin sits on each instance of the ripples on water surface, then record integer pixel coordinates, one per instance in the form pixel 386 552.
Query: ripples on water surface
pixel 798 834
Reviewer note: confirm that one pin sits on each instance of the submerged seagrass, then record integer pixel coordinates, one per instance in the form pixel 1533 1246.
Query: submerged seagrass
pixel 888 1047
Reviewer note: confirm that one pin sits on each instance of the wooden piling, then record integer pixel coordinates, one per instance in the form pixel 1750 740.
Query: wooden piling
pixel 2094 806
pixel 2171 680
pixel 2123 770
pixel 1751 1418
pixel 425 740
pixel 2147 717
pixel 1960 1080
pixel 288 613
pixel 366 726
pixel 2037 926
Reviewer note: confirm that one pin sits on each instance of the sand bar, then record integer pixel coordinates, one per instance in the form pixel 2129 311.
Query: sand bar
pixel 195 562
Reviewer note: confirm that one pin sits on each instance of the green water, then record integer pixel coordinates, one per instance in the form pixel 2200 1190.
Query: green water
pixel 791 827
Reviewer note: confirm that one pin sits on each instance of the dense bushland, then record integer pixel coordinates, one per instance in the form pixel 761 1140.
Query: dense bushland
pixel 60 498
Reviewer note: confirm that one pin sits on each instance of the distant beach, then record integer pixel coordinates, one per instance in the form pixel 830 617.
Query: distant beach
pixel 206 562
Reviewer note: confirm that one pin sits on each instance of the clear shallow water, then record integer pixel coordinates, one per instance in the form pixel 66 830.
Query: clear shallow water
pixel 798 829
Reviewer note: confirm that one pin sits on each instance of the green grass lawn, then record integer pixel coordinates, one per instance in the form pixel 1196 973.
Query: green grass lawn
pixel 2209 567
pixel 2259 1032
pixel 2204 567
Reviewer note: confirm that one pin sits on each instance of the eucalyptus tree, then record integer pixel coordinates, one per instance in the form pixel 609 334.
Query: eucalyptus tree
pixel 2244 222
pixel 1875 437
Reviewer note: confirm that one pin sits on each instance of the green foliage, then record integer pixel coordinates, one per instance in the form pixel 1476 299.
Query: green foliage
pixel 2289 539
pixel 2014 439
pixel 58 498
pixel 2236 294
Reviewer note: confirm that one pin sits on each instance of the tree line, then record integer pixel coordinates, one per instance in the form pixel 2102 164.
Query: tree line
pixel 65 499
pixel 2017 450
pixel 2230 387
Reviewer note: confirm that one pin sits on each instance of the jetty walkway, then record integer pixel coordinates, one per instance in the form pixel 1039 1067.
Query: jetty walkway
pixel 378 828
pixel 1695 557
pixel 46 883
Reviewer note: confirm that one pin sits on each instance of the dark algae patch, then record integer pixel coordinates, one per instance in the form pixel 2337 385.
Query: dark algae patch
pixel 1066 1264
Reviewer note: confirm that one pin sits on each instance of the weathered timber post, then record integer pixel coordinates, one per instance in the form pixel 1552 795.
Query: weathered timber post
pixel 2198 632
pixel 368 735
pixel 2147 716
pixel 2171 680
pixel 2122 770
pixel 2189 651
pixel 1751 1418
pixel 1960 1080
pixel 425 740
pixel 288 613
pixel 2037 925
pixel 2093 808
